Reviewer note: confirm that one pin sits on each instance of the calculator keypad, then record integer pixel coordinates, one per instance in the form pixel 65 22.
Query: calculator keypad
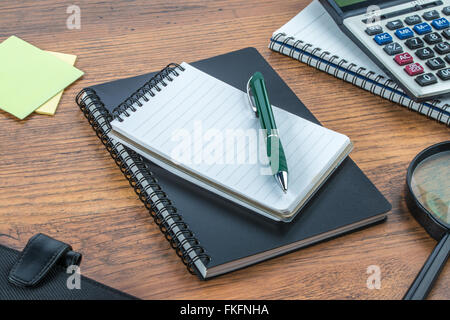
pixel 411 42
pixel 424 34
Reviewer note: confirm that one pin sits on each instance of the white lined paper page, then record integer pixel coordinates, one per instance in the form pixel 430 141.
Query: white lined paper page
pixel 195 100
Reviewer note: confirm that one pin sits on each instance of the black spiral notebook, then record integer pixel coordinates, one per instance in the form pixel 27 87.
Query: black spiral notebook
pixel 213 235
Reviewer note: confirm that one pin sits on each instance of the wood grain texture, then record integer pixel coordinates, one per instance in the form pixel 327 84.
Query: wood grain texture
pixel 57 178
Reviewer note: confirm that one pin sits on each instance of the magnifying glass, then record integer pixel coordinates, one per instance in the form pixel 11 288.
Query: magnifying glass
pixel 428 199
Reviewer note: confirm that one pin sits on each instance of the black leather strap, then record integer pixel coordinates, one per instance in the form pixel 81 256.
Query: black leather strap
pixel 38 257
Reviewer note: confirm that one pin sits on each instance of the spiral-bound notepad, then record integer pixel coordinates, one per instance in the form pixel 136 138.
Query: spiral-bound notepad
pixel 203 130
pixel 213 236
pixel 313 37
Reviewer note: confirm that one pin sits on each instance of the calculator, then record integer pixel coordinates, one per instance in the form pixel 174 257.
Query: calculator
pixel 409 40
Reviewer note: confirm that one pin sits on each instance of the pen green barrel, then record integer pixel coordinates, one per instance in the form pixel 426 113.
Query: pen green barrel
pixel 275 151
pixel 276 154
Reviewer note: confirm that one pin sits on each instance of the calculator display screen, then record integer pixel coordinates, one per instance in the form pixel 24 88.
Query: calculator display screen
pixel 345 3
pixel 350 5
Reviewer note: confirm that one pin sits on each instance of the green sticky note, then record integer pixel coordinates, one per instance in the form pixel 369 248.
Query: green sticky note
pixel 30 76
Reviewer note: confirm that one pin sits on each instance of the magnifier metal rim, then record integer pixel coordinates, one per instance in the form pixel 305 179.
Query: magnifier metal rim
pixel 434 227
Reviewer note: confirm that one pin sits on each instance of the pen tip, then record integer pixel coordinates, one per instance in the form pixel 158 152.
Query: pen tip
pixel 282 179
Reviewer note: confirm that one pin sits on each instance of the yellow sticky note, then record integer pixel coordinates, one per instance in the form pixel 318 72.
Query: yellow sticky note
pixel 49 108
pixel 29 77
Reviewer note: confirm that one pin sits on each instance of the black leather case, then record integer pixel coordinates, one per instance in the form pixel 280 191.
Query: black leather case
pixel 45 270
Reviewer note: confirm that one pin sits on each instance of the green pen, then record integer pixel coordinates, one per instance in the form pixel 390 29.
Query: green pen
pixel 259 101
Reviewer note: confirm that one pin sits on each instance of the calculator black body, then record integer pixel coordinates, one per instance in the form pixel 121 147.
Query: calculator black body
pixel 409 40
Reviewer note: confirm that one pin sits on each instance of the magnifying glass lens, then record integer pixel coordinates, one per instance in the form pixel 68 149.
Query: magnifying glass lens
pixel 430 184
pixel 428 198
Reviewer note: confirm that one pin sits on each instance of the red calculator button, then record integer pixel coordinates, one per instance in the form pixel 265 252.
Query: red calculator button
pixel 414 69
pixel 403 58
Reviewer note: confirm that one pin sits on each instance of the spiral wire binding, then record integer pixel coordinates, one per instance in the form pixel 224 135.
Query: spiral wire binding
pixel 137 170
pixel 330 62
pixel 154 84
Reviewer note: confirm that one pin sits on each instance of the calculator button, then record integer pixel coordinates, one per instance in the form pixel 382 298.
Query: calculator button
pixel 383 38
pixel 414 43
pixel 422 28
pixel 411 20
pixel 440 23
pixel 392 25
pixel 446 33
pixel 425 53
pixel 446 10
pixel 404 33
pixel 414 69
pixel 403 58
pixel 442 48
pixel 426 79
pixel 432 38
pixel 436 63
pixel 373 30
pixel 431 15
pixel 444 74
pixel 447 58
pixel 393 48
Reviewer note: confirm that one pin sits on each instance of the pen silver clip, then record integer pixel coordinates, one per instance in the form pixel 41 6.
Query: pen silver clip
pixel 251 99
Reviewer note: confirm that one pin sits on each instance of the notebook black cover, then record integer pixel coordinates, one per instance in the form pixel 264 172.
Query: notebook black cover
pixel 228 232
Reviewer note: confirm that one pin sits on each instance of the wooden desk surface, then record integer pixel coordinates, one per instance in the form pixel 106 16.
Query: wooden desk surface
pixel 57 178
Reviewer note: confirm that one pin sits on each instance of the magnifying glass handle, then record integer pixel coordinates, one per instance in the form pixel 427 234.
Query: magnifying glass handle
pixel 430 271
